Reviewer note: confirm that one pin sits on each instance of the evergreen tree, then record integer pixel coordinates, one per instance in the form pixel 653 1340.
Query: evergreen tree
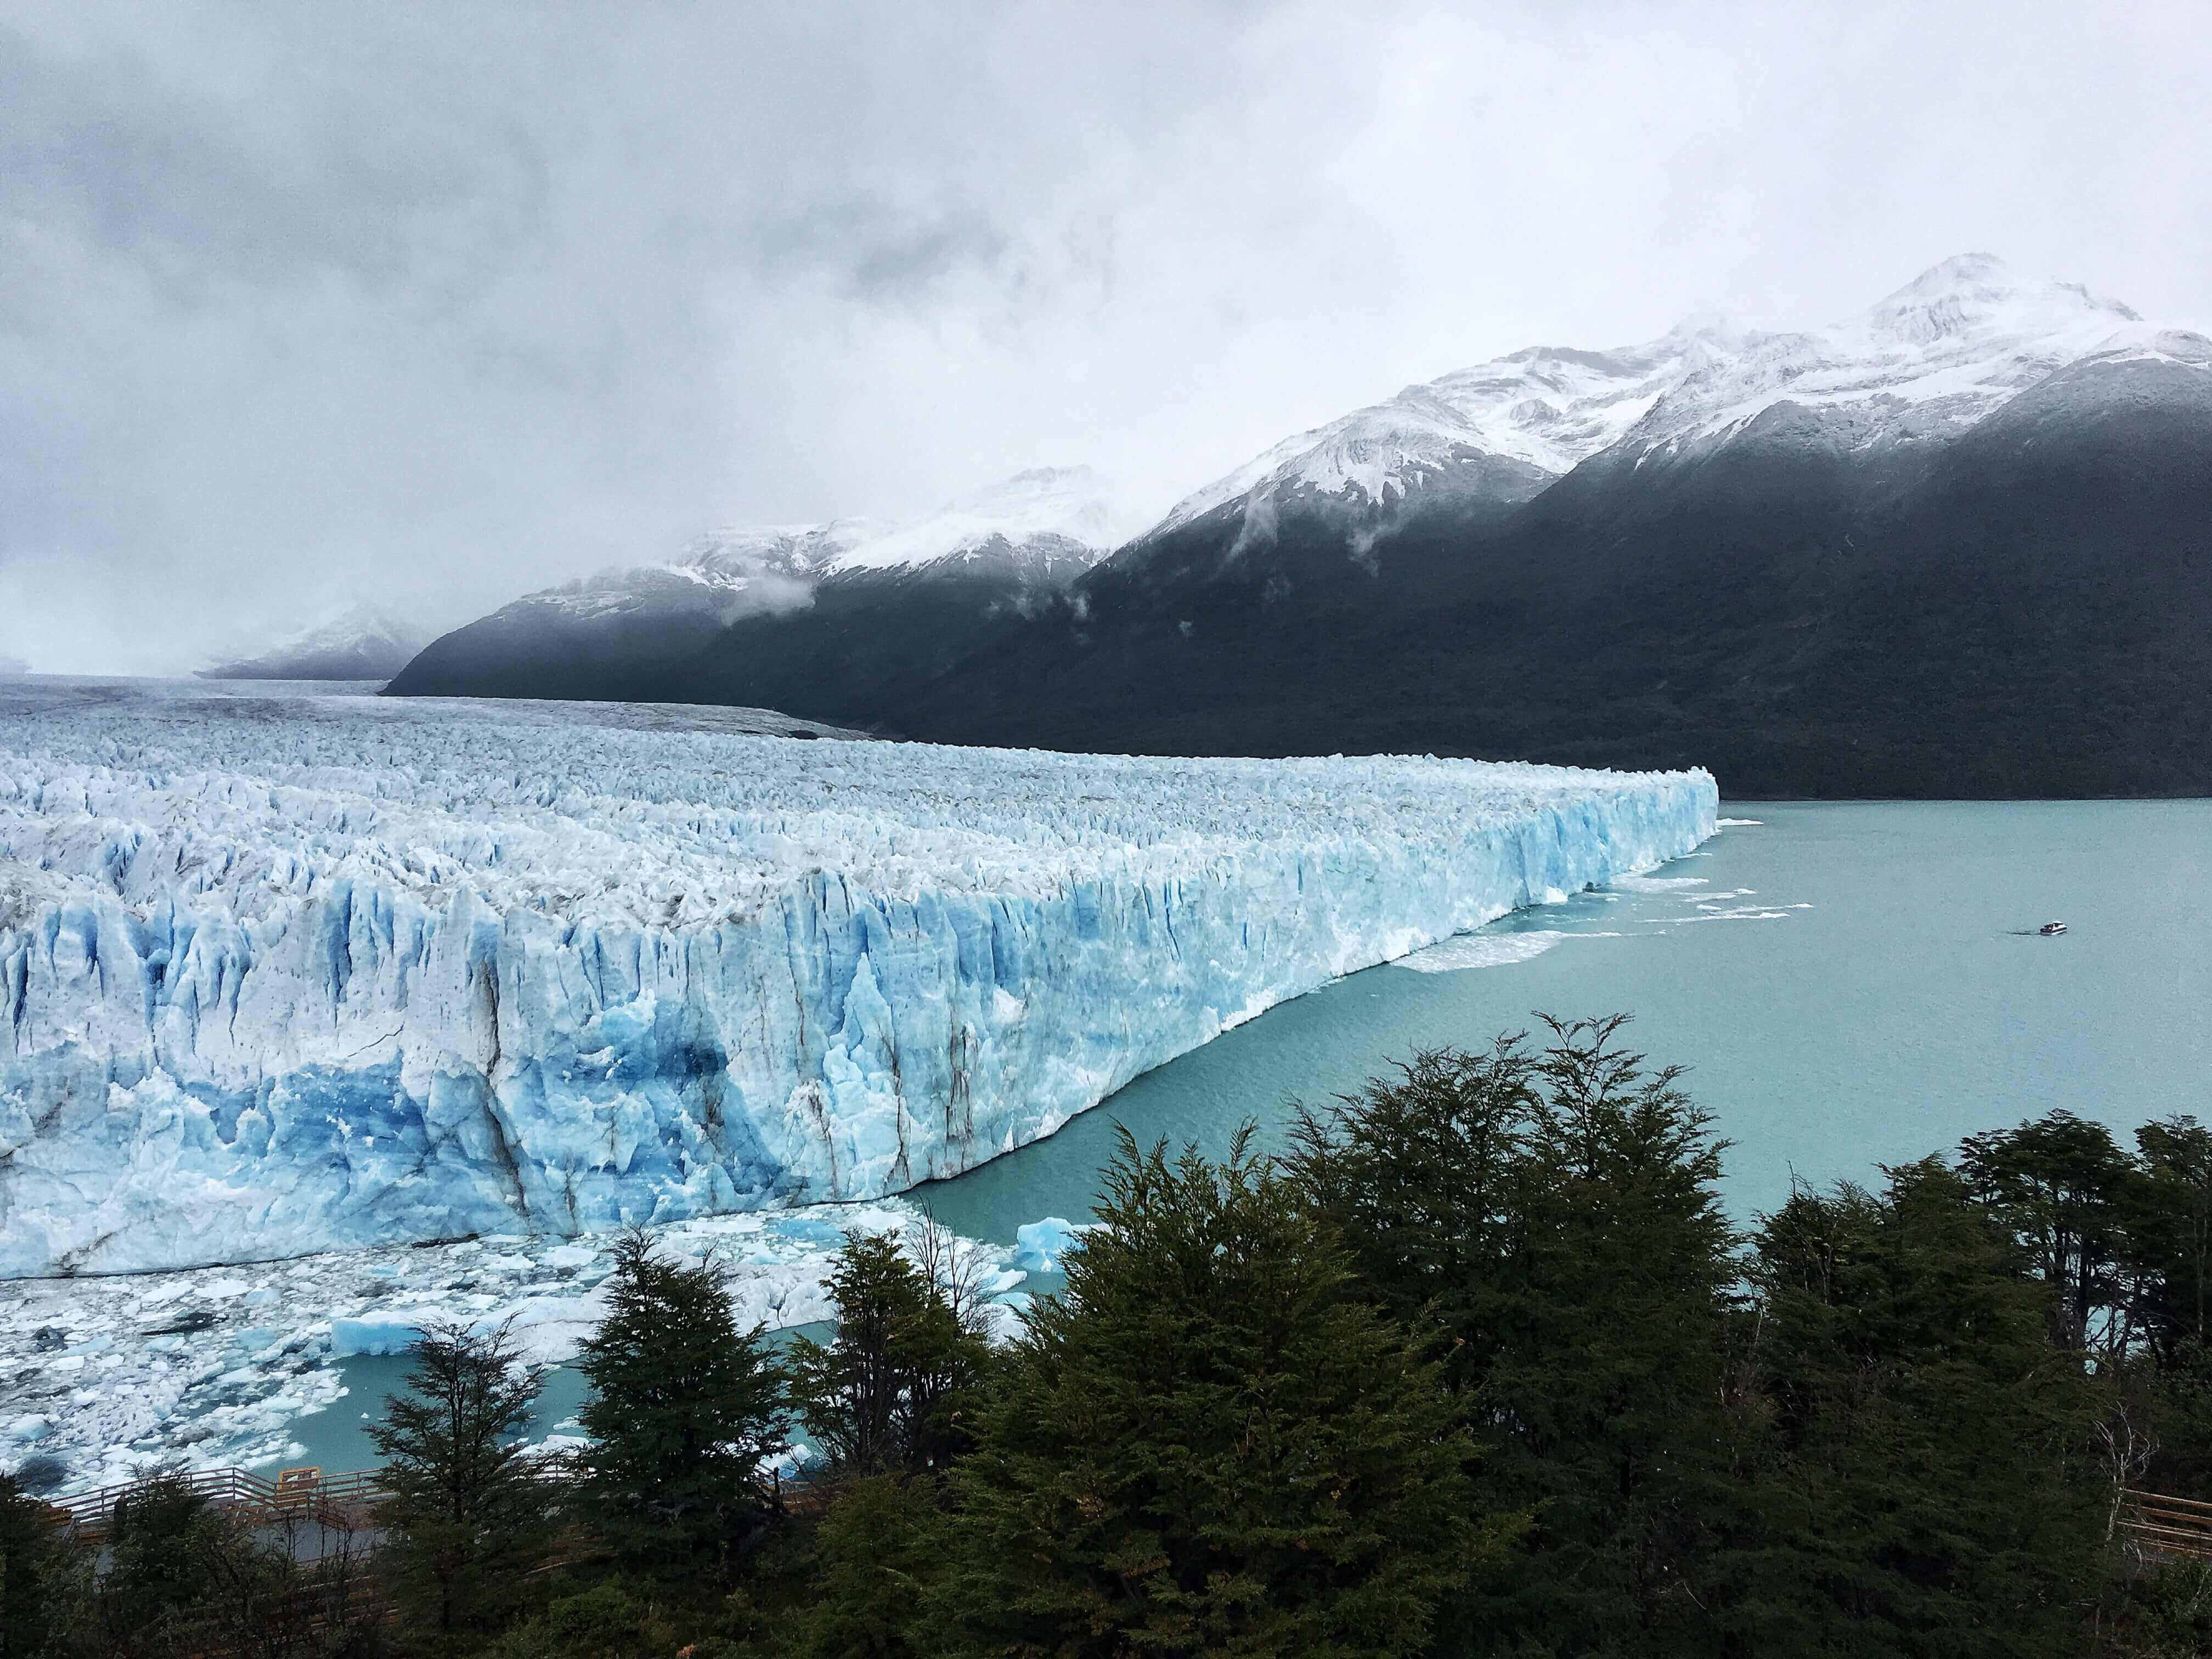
pixel 685 1410
pixel 1426 1177
pixel 2172 1232
pixel 159 1561
pixel 2063 1190
pixel 158 1545
pixel 891 1389
pixel 1934 1495
pixel 1611 1384
pixel 467 1509
pixel 1551 1219
pixel 605 1621
pixel 877 1549
pixel 1205 1445
pixel 39 1575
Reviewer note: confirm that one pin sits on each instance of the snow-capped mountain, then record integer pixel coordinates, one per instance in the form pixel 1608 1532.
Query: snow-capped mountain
pixel 1505 428
pixel 722 574
pixel 1929 361
pixel 356 640
pixel 627 633
pixel 1955 544
pixel 1048 520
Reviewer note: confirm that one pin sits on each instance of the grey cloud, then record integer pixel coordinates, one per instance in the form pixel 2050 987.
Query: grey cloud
pixel 104 150
pixel 453 302
pixel 873 250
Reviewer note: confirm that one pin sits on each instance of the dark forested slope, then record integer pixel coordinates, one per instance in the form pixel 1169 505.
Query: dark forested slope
pixel 2027 611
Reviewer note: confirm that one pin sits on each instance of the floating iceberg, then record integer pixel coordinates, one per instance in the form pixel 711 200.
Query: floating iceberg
pixel 279 977
pixel 377 1334
pixel 1042 1246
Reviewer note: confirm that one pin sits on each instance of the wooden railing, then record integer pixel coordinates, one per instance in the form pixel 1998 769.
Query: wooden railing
pixel 345 1502
pixel 2161 1525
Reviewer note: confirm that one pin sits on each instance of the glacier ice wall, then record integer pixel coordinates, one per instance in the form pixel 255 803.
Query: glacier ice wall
pixel 277 978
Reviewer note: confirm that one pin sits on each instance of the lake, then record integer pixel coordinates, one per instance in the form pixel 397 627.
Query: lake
pixel 1851 984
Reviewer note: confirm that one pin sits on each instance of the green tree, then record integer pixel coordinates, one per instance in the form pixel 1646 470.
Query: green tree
pixel 685 1410
pixel 1426 1177
pixel 893 1388
pixel 877 1551
pixel 41 1575
pixel 159 1540
pixel 2172 1231
pixel 467 1508
pixel 1206 1444
pixel 2064 1189
pixel 605 1621
pixel 1550 1220
pixel 2158 1429
pixel 1935 1493
pixel 176 1576
pixel 1612 1376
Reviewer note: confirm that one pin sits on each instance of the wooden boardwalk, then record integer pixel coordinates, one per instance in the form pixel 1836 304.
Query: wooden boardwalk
pixel 343 1503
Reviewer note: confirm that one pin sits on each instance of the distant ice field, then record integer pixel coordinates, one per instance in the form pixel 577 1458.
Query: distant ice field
pixel 283 972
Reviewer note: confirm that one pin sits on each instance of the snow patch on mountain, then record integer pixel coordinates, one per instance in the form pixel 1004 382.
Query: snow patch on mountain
pixel 1547 408
pixel 1052 511
pixel 1935 357
pixel 733 570
pixel 1050 522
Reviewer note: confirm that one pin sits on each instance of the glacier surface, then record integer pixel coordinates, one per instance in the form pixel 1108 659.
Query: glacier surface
pixel 278 977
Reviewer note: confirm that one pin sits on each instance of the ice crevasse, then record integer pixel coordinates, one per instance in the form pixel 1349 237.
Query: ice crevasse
pixel 276 986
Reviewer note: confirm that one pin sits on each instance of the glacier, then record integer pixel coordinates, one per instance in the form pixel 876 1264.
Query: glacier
pixel 288 974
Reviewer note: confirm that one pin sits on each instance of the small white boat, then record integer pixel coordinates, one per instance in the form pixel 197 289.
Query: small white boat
pixel 2049 928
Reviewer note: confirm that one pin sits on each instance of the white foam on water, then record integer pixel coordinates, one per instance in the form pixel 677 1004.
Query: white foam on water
pixel 1487 951
pixel 1657 883
pixel 1741 823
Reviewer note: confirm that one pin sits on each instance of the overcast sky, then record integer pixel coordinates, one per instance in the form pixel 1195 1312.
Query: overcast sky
pixel 454 301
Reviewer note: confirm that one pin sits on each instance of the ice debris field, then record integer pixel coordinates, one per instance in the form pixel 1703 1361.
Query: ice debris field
pixel 104 1378
pixel 282 974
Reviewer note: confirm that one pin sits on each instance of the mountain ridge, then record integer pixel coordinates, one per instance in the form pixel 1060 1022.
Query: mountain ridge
pixel 625 634
pixel 354 640
pixel 1946 546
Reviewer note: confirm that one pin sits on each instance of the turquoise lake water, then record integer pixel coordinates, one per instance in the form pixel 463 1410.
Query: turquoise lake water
pixel 1850 984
